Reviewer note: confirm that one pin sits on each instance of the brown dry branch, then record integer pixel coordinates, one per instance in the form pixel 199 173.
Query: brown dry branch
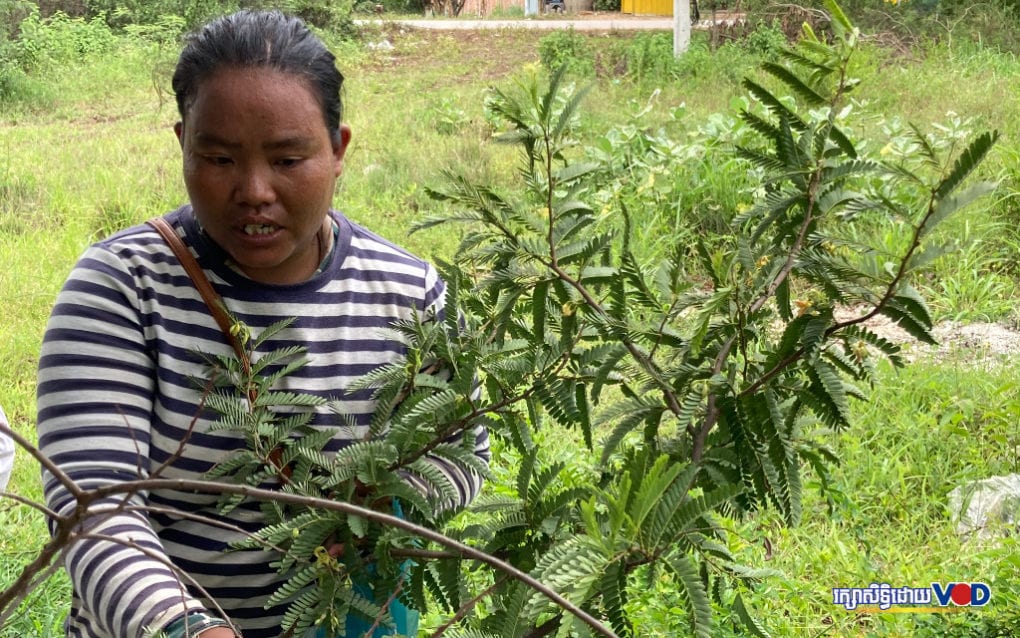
pixel 68 529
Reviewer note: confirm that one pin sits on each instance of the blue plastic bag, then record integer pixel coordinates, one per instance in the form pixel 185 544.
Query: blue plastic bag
pixel 405 619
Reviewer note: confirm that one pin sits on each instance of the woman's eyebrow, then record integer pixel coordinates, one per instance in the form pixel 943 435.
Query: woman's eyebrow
pixel 297 142
pixel 212 139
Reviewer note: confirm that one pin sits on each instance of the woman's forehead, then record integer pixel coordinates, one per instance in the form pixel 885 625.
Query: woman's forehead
pixel 252 82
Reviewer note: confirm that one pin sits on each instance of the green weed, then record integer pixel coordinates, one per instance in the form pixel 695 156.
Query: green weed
pixel 937 426
pixel 569 49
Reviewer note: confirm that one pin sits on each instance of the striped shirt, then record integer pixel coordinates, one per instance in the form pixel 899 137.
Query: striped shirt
pixel 117 396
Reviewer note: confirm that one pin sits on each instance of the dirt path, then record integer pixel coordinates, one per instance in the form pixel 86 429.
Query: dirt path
pixel 983 344
pixel 587 21
pixel 593 24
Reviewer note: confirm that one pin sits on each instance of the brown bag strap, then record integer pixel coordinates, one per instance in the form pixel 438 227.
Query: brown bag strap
pixel 211 297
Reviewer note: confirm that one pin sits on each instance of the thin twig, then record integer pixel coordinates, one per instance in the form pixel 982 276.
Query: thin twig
pixel 385 606
pixel 890 290
pixel 44 460
pixel 467 607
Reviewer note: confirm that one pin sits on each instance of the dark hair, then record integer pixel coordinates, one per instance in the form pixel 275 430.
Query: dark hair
pixel 251 39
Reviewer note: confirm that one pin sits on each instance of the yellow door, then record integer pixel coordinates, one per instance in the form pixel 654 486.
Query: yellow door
pixel 647 7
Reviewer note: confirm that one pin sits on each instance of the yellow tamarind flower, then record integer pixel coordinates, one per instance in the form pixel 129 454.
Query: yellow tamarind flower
pixel 324 560
pixel 240 330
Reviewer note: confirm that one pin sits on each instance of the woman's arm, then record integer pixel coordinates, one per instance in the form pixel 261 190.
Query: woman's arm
pixel 95 403
pixel 467 481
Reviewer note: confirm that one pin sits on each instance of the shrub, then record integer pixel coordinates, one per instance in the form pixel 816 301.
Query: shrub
pixel 59 39
pixel 11 80
pixel 766 40
pixel 121 13
pixel 567 49
pixel 12 12
pixel 990 23
pixel 447 117
pixel 651 56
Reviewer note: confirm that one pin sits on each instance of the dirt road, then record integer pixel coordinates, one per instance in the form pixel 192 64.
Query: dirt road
pixel 615 23
pixel 602 21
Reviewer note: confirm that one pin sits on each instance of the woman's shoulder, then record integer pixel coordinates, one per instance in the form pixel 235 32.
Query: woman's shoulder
pixel 365 243
pixel 140 237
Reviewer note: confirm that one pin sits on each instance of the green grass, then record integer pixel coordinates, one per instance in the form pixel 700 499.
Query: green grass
pixel 924 430
pixel 93 151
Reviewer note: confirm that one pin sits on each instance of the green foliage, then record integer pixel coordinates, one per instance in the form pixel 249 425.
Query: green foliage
pixel 12 12
pixel 648 59
pixel 921 429
pixel 59 39
pixel 606 5
pixel 766 40
pixel 423 403
pixel 503 13
pixel 567 49
pixel 147 14
pixel 991 23
pixel 704 379
pixel 328 15
pixel 735 373
pixel 122 14
pixel 702 372
pixel 447 117
pixel 650 56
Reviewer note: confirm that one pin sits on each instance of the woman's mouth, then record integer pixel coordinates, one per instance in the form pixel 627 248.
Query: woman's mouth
pixel 259 229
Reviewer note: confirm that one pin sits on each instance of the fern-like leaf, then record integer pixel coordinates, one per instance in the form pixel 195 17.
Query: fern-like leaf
pixel 795 84
pixel 774 106
pixel 750 623
pixel 694 591
pixel 966 162
pixel 298 581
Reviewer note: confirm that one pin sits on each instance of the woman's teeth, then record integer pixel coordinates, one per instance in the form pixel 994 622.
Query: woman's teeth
pixel 258 229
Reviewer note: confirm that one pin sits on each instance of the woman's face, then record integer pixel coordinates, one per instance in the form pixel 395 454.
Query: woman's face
pixel 260 167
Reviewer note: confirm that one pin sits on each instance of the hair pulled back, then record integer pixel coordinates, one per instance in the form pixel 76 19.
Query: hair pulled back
pixel 253 39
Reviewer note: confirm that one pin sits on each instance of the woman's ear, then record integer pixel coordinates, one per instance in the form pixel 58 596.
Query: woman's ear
pixel 179 132
pixel 340 140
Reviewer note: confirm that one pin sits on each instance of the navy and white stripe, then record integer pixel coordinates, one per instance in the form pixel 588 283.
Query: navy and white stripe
pixel 116 396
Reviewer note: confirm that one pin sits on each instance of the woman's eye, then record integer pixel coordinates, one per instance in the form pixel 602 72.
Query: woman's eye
pixel 288 162
pixel 218 160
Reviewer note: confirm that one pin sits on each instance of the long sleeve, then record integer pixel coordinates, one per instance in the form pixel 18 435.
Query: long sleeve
pixel 467 481
pixel 95 400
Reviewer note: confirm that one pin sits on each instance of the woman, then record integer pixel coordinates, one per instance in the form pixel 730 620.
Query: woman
pixel 262 145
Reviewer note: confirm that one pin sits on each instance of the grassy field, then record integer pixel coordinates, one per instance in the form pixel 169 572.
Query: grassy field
pixel 92 151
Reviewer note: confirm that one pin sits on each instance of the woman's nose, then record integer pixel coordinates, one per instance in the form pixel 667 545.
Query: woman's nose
pixel 255 186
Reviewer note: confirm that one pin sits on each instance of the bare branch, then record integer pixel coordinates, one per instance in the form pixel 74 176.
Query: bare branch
pixel 47 464
pixel 208 487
